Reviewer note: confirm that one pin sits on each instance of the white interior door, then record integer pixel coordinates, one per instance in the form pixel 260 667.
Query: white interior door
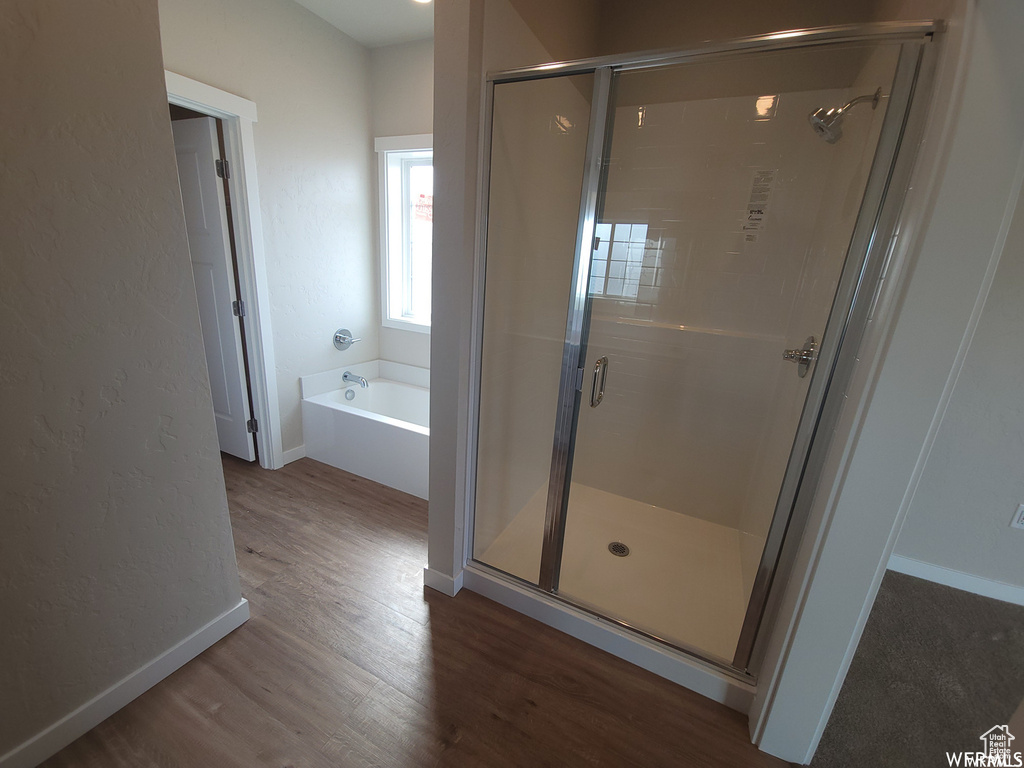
pixel 202 194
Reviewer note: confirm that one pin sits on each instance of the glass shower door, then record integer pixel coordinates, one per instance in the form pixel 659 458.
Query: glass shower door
pixel 674 251
pixel 539 131
pixel 718 248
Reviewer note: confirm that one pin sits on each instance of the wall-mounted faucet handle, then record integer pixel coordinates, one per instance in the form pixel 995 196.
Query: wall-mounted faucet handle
pixel 343 339
pixel 803 357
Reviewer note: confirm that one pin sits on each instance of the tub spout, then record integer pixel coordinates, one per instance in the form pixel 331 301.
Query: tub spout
pixel 348 376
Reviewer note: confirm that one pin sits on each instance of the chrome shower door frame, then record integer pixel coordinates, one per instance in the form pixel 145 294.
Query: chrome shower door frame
pixel 863 272
pixel 575 338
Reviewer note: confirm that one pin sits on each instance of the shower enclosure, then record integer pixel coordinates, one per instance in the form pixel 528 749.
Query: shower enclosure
pixel 678 256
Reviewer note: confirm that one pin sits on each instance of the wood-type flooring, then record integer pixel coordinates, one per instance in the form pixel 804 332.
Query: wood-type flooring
pixel 349 661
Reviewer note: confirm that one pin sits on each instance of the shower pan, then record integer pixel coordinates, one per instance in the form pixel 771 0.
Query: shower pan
pixel 676 271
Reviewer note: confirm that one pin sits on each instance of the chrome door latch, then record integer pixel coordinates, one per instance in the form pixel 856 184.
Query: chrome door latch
pixel 803 357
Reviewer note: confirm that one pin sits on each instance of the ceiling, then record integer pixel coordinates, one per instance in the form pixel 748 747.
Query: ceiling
pixel 374 23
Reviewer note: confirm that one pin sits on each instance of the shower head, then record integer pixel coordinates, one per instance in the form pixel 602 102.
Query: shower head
pixel 828 123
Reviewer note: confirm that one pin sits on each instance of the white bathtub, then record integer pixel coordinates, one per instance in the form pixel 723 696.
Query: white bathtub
pixel 382 433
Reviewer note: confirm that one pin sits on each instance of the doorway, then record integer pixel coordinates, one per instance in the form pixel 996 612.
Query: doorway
pixel 202 175
pixel 236 117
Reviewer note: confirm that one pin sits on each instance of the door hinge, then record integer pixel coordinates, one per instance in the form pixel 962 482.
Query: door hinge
pixel 579 379
pixel 222 169
pixel 238 308
pixel 252 426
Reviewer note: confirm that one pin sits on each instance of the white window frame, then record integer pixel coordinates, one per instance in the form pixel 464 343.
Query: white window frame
pixel 383 146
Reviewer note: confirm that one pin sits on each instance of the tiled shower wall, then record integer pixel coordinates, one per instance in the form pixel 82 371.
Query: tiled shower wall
pixel 697 304
pixel 690 358
pixel 700 408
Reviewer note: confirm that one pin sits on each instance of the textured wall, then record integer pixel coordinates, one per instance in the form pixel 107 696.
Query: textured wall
pixel 115 540
pixel 314 159
pixel 402 93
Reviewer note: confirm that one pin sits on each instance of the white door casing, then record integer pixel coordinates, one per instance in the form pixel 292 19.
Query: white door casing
pixel 238 119
pixel 202 193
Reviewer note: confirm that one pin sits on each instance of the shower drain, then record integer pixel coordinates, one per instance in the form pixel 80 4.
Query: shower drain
pixel 618 549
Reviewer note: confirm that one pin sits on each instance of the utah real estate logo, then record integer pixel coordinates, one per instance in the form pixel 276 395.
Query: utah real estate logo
pixel 997 751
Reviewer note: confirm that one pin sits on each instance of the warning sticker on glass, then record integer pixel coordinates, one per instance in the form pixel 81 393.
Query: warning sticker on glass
pixel 757 206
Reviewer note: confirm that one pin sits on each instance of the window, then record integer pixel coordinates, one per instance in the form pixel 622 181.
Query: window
pixel 406 227
pixel 618 260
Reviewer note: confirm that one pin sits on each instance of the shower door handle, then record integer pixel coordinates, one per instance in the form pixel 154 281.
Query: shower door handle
pixel 597 386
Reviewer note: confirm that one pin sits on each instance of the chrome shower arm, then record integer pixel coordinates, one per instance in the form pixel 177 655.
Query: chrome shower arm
pixel 874 98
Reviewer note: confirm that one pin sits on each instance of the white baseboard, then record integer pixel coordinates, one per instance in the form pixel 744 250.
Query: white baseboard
pixel 57 736
pixel 997 590
pixel 293 454
pixel 441 582
pixel 654 657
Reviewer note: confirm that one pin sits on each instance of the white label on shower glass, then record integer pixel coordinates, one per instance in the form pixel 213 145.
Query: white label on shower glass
pixel 757 206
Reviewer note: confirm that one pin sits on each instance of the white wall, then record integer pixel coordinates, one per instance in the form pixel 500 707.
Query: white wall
pixel 402 94
pixel 402 88
pixel 458 39
pixel 520 30
pixel 973 481
pixel 116 543
pixel 310 83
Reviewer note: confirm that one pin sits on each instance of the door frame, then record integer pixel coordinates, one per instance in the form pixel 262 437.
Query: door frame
pixel 199 148
pixel 237 116
pixel 577 328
